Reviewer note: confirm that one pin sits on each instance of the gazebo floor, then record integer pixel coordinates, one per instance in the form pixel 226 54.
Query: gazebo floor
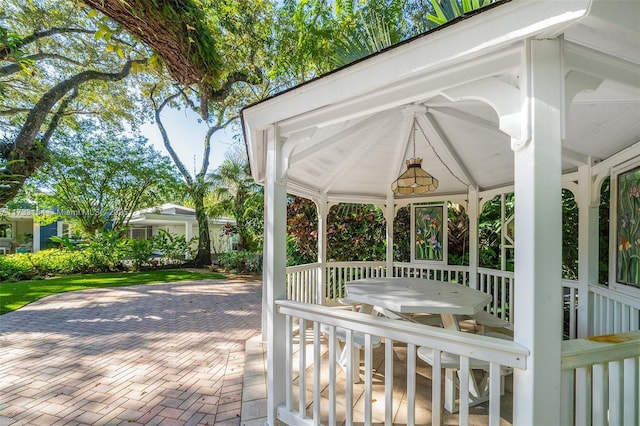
pixel 478 415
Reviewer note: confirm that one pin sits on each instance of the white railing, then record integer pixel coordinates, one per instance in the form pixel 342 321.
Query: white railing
pixel 572 291
pixel 449 273
pixel 302 283
pixel 499 284
pixel 606 311
pixel 338 273
pixel 319 374
pixel 601 380
pixel 613 312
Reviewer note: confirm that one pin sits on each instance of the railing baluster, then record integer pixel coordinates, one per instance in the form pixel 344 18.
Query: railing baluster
pixel 317 369
pixel 302 358
pixel 600 395
pixel 349 391
pixel 583 396
pixel 411 384
pixel 368 379
pixel 616 393
pixel 567 387
pixel 436 387
pixel 289 363
pixel 495 391
pixel 631 391
pixel 388 382
pixel 332 374
pixel 464 390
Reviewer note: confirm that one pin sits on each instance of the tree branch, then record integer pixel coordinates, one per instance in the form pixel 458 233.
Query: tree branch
pixel 165 137
pixel 25 149
pixel 17 67
pixel 5 50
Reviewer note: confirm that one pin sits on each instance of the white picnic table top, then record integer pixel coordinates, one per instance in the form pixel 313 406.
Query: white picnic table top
pixel 417 295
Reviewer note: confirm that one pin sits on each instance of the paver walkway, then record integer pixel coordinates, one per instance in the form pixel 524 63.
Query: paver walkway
pixel 151 354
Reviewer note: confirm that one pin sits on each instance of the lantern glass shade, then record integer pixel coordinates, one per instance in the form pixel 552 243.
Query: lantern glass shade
pixel 414 180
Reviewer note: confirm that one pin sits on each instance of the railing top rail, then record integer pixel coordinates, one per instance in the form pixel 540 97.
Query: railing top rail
pixel 599 349
pixel 504 352
pixel 614 295
pixel 302 267
pixel 497 272
pixel 358 263
pixel 431 266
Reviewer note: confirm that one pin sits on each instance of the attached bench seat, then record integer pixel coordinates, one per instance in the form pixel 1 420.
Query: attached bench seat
pixel 478 391
pixel 358 340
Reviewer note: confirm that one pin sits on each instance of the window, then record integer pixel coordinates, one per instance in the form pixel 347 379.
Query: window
pixel 6 230
pixel 235 242
pixel 141 232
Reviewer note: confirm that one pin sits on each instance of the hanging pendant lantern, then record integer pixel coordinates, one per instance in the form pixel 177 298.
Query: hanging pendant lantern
pixel 414 180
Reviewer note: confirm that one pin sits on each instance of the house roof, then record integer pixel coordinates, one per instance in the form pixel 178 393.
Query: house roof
pixel 348 134
pixel 169 213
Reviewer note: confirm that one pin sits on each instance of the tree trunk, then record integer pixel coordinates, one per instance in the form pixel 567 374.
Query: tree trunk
pixel 204 240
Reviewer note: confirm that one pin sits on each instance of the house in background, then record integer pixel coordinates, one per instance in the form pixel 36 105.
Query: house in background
pixel 19 233
pixel 180 220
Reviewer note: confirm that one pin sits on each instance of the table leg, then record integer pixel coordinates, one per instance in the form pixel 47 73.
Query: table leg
pixel 449 321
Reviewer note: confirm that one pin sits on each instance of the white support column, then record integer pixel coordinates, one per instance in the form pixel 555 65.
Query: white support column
pixel 588 239
pixel 473 213
pixel 35 241
pixel 274 276
pixel 538 292
pixel 187 231
pixel 389 216
pixel 323 210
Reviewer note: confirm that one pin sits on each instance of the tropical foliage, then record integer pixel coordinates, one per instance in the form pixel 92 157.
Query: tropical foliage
pixel 235 193
pixel 97 180
pixel 101 252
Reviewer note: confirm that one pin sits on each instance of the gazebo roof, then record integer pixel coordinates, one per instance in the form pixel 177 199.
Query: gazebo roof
pixel 348 134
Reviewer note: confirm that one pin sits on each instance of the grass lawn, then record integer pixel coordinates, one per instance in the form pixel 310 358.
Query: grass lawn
pixel 14 295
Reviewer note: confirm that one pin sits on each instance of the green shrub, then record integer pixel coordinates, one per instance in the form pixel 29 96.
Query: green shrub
pixel 57 262
pixel 15 267
pixel 140 251
pixel 104 251
pixel 23 266
pixel 241 261
pixel 175 248
pixel 107 249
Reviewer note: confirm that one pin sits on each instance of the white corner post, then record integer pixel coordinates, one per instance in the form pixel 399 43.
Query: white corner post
pixel 274 274
pixel 538 217
pixel 588 239
pixel 323 210
pixel 473 213
pixel 390 215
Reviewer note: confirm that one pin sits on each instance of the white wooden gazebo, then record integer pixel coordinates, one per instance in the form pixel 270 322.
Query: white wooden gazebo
pixel 525 97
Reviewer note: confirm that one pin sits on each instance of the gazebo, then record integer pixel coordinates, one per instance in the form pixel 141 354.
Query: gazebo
pixel 524 97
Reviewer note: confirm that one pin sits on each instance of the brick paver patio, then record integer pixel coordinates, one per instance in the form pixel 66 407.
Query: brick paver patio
pixel 170 354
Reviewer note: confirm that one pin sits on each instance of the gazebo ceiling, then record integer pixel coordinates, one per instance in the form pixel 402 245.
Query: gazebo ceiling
pixel 348 134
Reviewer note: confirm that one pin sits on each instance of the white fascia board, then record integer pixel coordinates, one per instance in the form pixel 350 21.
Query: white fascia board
pixel 163 218
pixel 489 31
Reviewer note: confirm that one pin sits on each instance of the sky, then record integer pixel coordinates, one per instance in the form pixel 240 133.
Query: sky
pixel 187 137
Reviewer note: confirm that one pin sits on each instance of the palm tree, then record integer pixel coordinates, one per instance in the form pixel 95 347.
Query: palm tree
pixel 235 193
